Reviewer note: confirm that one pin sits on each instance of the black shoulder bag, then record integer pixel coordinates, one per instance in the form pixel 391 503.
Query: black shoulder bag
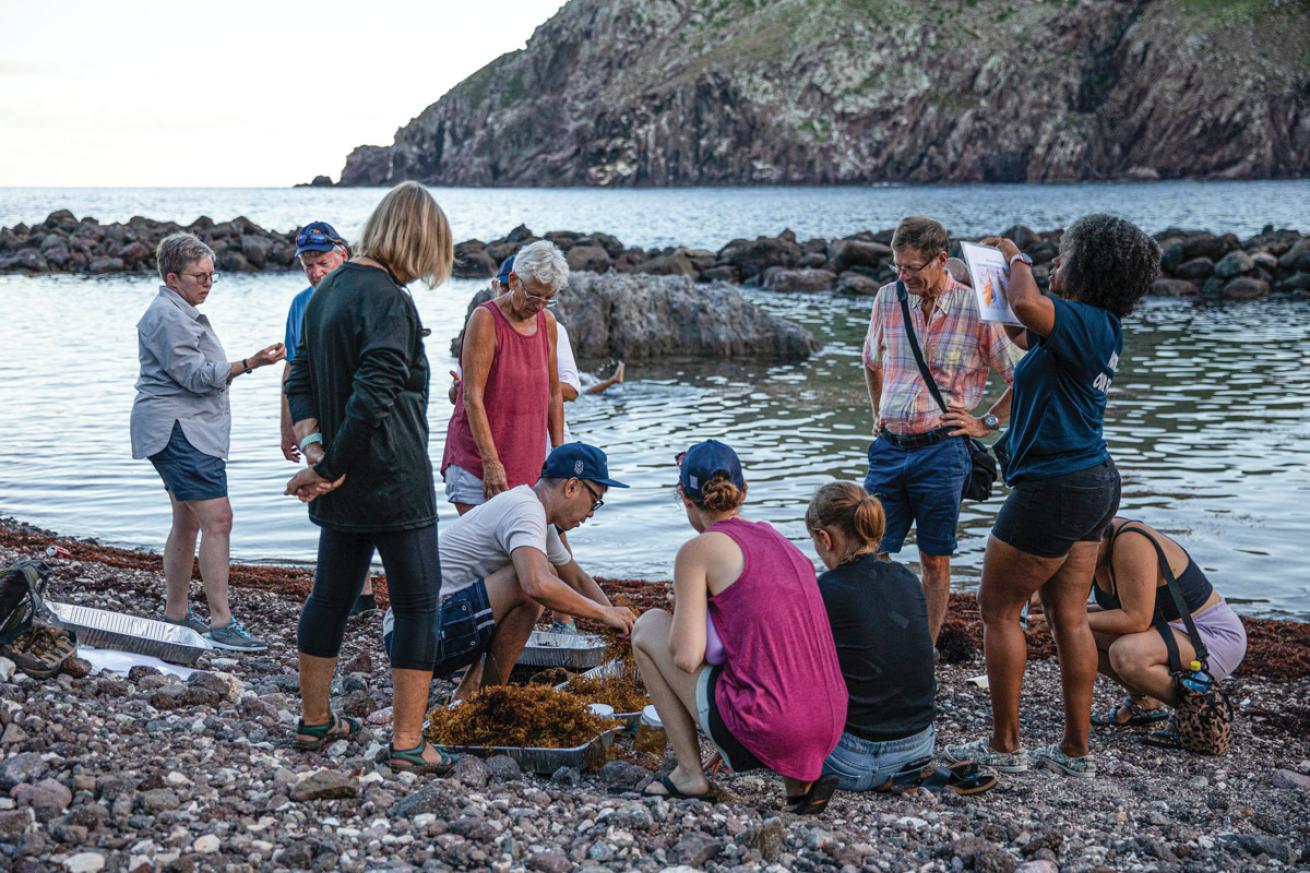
pixel 982 466
pixel 1205 717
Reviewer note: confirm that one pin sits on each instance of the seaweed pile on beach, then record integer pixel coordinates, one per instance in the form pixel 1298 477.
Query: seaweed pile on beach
pixel 534 716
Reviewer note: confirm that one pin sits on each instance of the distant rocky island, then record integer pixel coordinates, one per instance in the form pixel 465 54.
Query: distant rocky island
pixel 733 92
pixel 1193 262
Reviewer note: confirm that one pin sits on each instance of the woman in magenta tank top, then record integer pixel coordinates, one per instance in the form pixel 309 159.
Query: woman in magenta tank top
pixel 510 392
pixel 777 700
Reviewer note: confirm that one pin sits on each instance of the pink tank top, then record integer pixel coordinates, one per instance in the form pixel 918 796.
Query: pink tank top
pixel 781 693
pixel 517 400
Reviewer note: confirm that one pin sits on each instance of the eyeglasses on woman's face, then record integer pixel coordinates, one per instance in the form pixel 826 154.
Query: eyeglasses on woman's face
pixel 201 278
pixel 542 300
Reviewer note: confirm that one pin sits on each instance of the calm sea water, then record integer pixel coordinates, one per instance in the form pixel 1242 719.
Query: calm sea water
pixel 1207 416
pixel 706 217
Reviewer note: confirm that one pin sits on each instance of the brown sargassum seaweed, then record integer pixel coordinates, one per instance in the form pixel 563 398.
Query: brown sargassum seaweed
pixel 533 716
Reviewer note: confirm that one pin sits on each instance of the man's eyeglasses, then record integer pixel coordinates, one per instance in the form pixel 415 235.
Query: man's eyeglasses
pixel 597 500
pixel 535 298
pixel 907 270
pixel 202 278
pixel 315 236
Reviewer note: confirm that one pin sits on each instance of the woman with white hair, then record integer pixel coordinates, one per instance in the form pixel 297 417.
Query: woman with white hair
pixel 511 389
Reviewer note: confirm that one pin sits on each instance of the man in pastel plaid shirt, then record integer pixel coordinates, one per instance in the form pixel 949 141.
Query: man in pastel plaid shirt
pixel 919 461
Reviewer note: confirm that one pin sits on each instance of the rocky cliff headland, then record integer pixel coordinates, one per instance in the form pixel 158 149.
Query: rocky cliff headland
pixel 1193 262
pixel 710 92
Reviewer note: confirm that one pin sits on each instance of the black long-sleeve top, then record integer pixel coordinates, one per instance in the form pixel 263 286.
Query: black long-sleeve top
pixel 362 371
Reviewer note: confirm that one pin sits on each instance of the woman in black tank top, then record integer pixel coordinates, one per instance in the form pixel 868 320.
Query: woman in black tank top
pixel 1131 599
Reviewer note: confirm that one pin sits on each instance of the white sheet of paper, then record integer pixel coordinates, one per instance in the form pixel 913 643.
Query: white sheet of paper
pixel 991 281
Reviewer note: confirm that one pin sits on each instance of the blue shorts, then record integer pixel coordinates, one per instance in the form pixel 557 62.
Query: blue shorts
pixel 920 487
pixel 188 473
pixel 862 765
pixel 467 624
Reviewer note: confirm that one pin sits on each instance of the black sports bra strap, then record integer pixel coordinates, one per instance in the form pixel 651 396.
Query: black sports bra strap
pixel 1175 591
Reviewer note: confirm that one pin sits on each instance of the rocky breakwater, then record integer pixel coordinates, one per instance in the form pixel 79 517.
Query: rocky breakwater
pixel 636 317
pixel 65 244
pixel 1193 262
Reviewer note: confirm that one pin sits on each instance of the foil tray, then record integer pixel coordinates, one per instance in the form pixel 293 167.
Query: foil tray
pixel 608 670
pixel 575 651
pixel 543 762
pixel 130 633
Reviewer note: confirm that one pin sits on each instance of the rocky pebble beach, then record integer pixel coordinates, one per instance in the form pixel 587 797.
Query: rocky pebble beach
pixel 1194 263
pixel 147 771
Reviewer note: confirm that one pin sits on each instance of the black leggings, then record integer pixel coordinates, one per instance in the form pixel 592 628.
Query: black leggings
pixel 413 583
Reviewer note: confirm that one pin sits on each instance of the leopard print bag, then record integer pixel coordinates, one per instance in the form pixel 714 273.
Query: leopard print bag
pixel 1205 718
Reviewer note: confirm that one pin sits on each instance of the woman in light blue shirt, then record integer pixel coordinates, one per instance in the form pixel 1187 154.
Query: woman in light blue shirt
pixel 181 421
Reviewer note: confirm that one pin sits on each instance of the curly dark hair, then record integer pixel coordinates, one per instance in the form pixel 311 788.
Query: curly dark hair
pixel 1110 262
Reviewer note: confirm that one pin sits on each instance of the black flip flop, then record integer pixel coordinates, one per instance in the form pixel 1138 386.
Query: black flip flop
pixel 814 801
pixel 674 793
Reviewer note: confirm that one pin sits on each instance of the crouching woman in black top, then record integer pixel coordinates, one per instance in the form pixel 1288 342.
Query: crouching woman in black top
pixel 879 622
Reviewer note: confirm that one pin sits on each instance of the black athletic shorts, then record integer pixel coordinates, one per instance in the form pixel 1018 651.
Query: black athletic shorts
pixel 1046 517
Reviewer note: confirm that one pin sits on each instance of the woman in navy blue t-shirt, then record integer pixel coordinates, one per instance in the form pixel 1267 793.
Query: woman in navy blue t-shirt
pixel 1065 486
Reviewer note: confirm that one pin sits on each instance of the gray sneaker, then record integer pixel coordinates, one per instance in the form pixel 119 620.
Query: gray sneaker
pixel 235 637
pixel 1052 758
pixel 981 751
pixel 190 620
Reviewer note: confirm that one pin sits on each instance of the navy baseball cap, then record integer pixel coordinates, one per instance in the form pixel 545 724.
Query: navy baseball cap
pixel 581 461
pixel 506 267
pixel 318 236
pixel 702 462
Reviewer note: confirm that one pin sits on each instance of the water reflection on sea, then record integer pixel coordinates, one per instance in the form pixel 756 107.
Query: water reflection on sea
pixel 1207 423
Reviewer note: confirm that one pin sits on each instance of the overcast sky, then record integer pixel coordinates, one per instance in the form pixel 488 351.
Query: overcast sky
pixel 241 93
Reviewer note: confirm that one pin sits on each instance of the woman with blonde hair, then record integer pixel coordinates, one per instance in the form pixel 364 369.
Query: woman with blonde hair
pixel 776 699
pixel 879 620
pixel 358 393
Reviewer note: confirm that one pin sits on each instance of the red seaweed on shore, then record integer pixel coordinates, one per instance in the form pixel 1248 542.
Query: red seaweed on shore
pixel 1278 650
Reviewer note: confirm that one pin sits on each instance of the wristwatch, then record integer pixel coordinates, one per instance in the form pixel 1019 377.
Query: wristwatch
pixel 991 422
pixel 1020 256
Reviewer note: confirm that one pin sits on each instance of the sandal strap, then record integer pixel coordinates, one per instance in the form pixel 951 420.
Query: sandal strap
pixel 318 731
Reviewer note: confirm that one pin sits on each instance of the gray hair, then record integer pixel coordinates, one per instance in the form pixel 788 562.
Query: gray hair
pixel 177 250
pixel 543 262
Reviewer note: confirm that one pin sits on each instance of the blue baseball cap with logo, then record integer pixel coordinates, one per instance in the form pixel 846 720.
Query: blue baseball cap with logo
pixel 579 461
pixel 506 267
pixel 702 462
pixel 318 236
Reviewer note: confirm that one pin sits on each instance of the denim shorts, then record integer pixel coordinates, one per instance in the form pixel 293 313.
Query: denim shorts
pixel 188 473
pixel 467 625
pixel 462 486
pixel 919 487
pixel 861 765
pixel 1045 517
pixel 737 757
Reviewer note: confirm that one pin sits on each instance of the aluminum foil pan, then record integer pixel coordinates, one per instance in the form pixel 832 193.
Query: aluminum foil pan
pixel 588 756
pixel 130 633
pixel 575 651
pixel 608 670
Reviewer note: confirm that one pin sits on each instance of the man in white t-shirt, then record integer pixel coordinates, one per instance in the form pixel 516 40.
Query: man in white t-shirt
pixel 502 565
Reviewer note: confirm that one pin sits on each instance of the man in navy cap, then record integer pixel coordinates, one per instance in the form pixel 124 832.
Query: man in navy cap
pixel 320 250
pixel 502 565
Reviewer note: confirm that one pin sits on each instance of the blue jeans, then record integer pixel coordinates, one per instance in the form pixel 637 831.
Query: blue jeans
pixel 860 765
pixel 920 487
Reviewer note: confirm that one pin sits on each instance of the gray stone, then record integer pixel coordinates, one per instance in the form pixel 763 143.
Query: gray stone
pixel 1235 263
pixel 600 851
pixel 15 822
pixel 550 862
pixel 849 253
pixel 20 768
pixel 801 280
pixel 159 800
pixel 1040 865
pixel 1196 268
pixel 1291 779
pixel 622 776
pixel 1174 288
pixel 858 284
pixel 85 862
pixel 694 849
pixel 768 839
pixel 7 668
pixel 1246 288
pixel 13 735
pixel 590 258
pixel 566 776
pixel 437 798
pixel 47 797
pixel 471 771
pixel 636 317
pixel 503 768
pixel 324 785
pixel 1262 844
